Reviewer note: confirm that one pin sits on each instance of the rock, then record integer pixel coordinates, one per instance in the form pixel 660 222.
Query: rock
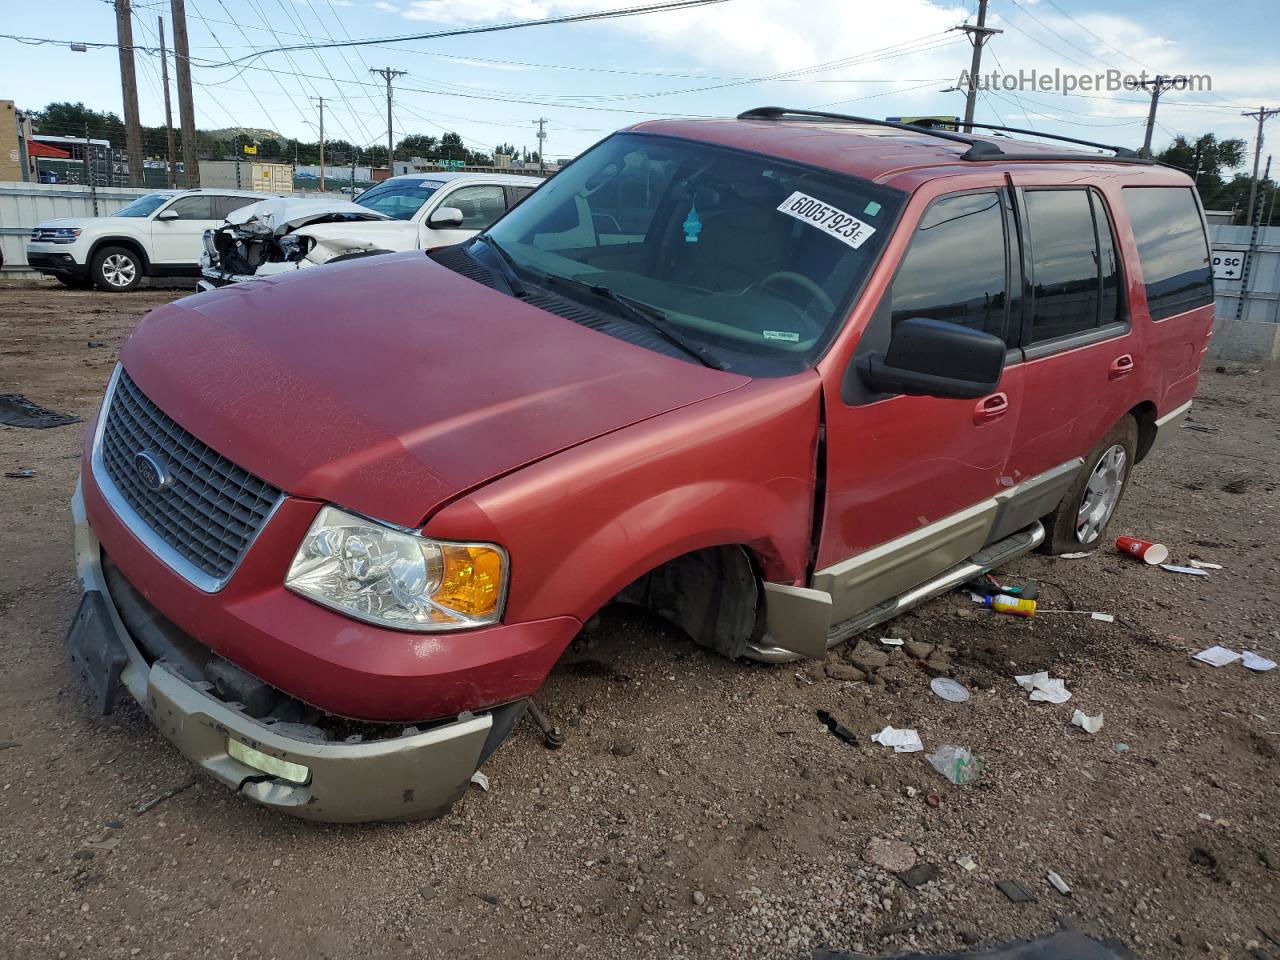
pixel 868 658
pixel 699 898
pixel 623 748
pixel 938 667
pixel 893 856
pixel 917 649
pixel 919 875
pixel 114 824
pixel 843 671
pixel 427 893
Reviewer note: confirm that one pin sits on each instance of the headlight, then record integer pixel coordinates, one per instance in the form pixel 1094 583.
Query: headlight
pixel 395 578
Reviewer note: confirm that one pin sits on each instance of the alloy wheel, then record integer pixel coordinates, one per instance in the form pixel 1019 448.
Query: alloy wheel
pixel 119 270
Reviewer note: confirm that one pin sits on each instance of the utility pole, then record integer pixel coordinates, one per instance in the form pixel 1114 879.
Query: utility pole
pixel 321 100
pixel 387 74
pixel 1255 222
pixel 168 110
pixel 1157 86
pixel 978 35
pixel 1262 114
pixel 129 90
pixel 542 153
pixel 186 109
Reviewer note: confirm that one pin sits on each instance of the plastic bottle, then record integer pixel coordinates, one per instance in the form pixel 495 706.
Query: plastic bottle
pixel 1003 603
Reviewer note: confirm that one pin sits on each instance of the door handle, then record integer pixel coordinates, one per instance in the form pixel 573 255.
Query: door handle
pixel 990 408
pixel 1121 366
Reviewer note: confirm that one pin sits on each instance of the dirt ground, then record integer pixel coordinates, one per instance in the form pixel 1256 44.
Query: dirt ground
pixel 698 808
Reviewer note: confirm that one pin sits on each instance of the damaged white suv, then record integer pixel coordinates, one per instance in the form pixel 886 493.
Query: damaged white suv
pixel 417 211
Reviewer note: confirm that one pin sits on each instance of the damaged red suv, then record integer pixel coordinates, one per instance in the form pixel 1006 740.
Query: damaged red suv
pixel 777 378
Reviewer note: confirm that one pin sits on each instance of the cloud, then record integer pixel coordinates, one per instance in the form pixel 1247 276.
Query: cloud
pixel 386 7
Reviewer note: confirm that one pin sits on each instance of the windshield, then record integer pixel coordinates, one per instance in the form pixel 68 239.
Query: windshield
pixel 399 199
pixel 754 257
pixel 143 206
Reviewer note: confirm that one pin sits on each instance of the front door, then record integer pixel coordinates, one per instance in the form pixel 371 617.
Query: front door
pixel 912 481
pixel 177 241
pixel 481 206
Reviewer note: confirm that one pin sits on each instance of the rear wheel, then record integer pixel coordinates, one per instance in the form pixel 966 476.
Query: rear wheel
pixel 1079 523
pixel 116 269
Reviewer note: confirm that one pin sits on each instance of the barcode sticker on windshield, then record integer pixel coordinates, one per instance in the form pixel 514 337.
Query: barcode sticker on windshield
pixel 845 227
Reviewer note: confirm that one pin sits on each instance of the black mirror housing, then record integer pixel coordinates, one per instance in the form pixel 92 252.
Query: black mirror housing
pixel 936 358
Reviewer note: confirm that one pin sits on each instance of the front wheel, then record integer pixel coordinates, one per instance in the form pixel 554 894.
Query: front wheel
pixel 116 270
pixel 1080 521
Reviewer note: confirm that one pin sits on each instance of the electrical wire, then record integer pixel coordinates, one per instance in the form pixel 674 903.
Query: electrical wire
pixel 617 13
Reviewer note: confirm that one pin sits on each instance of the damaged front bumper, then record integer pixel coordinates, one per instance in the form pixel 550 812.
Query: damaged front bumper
pixel 418 774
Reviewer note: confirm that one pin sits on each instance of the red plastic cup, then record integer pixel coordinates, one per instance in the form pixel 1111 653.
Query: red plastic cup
pixel 1144 550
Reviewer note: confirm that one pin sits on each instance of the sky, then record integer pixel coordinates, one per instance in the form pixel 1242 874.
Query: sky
pixel 876 58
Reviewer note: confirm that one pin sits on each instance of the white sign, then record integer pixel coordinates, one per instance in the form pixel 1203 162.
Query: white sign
pixel 1227 264
pixel 833 221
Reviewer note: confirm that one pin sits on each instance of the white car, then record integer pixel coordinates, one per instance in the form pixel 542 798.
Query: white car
pixel 412 212
pixel 158 235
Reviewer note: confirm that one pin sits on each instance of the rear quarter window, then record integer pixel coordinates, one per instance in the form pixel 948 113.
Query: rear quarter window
pixel 1172 248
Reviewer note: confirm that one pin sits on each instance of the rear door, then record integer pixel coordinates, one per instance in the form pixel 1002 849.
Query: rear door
pixel 912 481
pixel 1076 337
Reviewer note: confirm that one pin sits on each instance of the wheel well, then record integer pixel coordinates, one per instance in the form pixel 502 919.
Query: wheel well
pixel 713 594
pixel 127 242
pixel 1145 416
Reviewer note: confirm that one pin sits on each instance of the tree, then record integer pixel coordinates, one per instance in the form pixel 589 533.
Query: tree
pixel 1207 159
pixel 72 120
pixel 417 145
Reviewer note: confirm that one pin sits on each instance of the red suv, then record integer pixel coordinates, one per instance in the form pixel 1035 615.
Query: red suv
pixel 777 378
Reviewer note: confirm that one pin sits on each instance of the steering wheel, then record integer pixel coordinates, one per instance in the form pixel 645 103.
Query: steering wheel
pixel 804 283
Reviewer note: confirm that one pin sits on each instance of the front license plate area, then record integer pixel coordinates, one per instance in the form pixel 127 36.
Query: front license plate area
pixel 95 652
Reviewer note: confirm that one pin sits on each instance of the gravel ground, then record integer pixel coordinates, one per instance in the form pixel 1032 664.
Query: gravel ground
pixel 698 807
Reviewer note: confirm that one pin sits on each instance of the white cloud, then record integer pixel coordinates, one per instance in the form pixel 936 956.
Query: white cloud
pixel 386 7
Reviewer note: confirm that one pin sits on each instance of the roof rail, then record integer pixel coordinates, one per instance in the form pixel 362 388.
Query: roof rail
pixel 978 149
pixel 1123 153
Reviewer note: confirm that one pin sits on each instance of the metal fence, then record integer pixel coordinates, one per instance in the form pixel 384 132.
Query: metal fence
pixel 23 205
pixel 1255 336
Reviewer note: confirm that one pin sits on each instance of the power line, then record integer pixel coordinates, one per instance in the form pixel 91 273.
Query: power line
pixel 488 28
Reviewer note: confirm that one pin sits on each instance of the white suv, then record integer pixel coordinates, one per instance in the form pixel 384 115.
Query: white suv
pixel 158 235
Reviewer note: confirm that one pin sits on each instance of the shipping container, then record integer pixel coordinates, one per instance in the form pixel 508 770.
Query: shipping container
pixel 245 175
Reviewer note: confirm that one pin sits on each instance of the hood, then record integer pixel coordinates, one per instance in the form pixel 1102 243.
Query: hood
pixel 62 223
pixel 385 234
pixel 391 385
pixel 284 214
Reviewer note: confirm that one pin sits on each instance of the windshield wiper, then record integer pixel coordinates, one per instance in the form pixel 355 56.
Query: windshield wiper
pixel 650 316
pixel 506 266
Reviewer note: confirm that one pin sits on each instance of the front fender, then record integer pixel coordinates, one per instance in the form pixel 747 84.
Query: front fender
pixel 581 525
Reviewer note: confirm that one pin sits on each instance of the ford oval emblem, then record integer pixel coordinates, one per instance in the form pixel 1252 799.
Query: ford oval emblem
pixel 152 471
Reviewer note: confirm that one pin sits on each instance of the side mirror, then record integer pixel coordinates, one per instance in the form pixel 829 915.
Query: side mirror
pixel 449 217
pixel 936 358
pixel 169 214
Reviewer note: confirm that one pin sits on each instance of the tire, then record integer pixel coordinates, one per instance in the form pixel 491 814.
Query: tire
pixel 1103 481
pixel 75 283
pixel 116 270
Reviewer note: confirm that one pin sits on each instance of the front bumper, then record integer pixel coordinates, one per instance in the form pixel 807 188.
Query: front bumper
pixel 419 774
pixel 55 262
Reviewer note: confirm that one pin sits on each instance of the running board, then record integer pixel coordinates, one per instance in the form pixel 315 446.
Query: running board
pixel 988 558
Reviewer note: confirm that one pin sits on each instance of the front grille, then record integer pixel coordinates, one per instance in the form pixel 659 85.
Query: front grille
pixel 210 509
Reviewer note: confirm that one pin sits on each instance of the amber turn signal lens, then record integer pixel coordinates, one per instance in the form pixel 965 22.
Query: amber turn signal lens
pixel 472 581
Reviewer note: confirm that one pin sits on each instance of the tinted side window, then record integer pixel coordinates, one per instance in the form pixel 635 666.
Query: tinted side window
pixel 1172 248
pixel 1109 263
pixel 1064 263
pixel 480 206
pixel 955 267
pixel 223 207
pixel 193 208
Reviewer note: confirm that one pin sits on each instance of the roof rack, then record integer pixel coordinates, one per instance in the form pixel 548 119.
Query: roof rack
pixel 1122 153
pixel 978 149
